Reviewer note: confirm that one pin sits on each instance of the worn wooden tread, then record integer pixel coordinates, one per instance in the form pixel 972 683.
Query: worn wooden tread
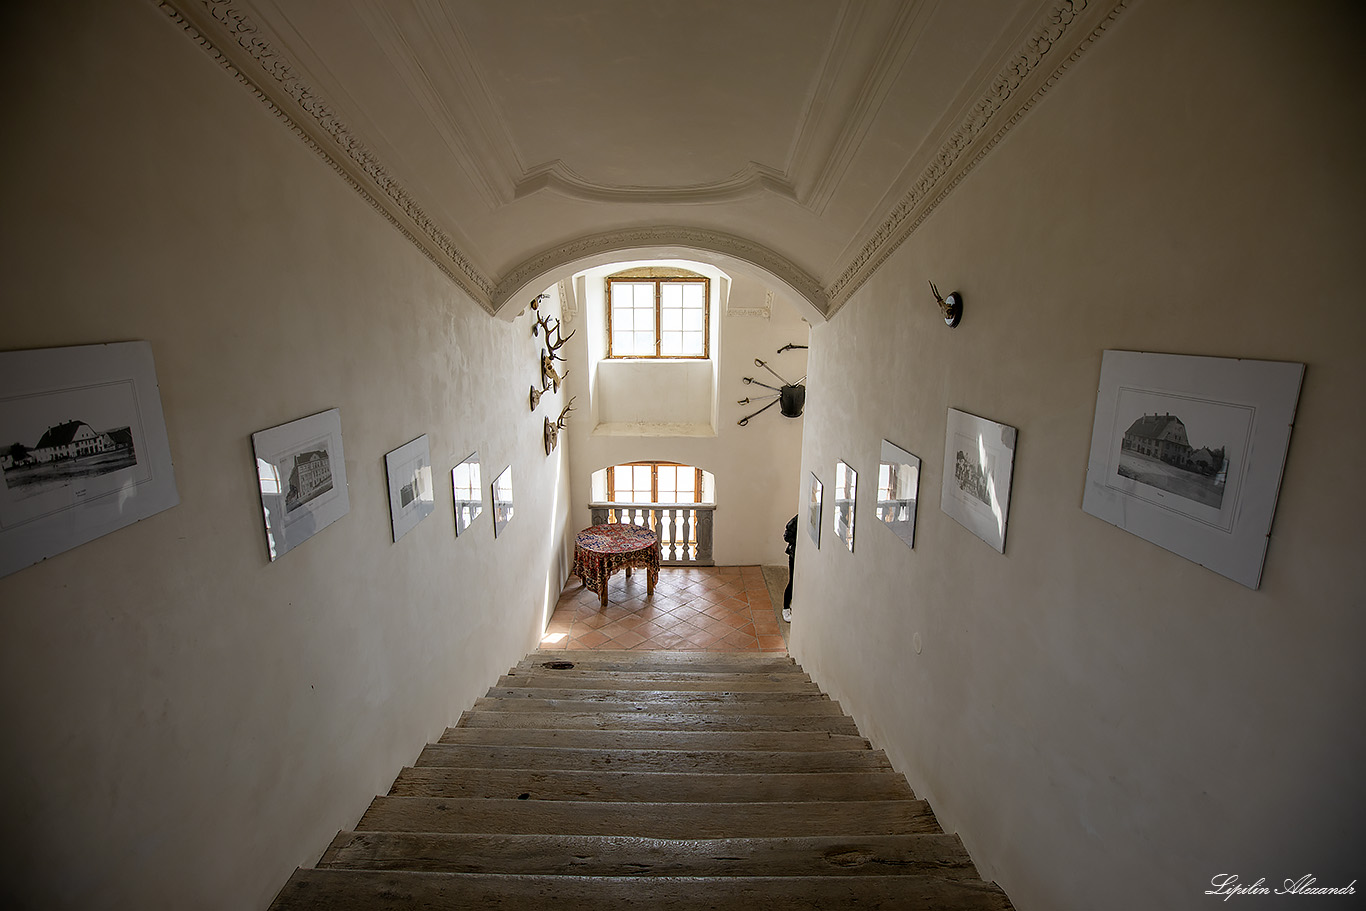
pixel 647 820
pixel 609 855
pixel 723 703
pixel 657 787
pixel 665 682
pixel 695 662
pixel 656 721
pixel 369 890
pixel 657 697
pixel 473 756
pixel 787 741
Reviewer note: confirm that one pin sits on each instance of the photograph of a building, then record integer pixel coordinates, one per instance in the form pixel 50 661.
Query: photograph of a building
pixel 310 477
pixel 1157 451
pixel 67 451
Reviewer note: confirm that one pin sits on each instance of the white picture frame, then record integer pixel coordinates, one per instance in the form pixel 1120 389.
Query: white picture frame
pixel 979 462
pixel 411 497
pixel 467 492
pixel 813 511
pixel 1162 423
pixel 846 503
pixel 898 477
pixel 301 474
pixel 85 450
pixel 501 490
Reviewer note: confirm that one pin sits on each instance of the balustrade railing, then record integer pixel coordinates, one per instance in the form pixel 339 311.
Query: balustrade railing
pixel 684 529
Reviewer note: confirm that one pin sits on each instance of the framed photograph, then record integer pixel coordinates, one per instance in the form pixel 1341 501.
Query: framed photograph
pixel 813 511
pixel 302 474
pixel 502 501
pixel 411 498
pixel 846 496
pixel 84 451
pixel 1187 452
pixel 468 492
pixel 898 485
pixel 979 457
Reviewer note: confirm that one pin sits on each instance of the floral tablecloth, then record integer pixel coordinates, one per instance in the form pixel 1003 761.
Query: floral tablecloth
pixel 601 550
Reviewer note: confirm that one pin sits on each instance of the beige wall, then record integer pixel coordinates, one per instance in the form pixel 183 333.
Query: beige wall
pixel 1106 724
pixel 184 721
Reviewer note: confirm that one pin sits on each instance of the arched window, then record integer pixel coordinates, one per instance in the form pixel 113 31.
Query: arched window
pixel 657 482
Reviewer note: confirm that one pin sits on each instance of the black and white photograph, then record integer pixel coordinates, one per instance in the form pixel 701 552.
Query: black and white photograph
pixel 467 491
pixel 83 447
pixel 1180 451
pixel 846 503
pixel 411 497
pixel 979 460
pixel 1172 453
pixel 502 501
pixel 813 511
pixel 301 472
pixel 898 486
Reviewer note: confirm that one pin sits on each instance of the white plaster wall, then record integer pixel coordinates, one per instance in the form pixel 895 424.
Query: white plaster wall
pixel 185 722
pixel 1106 724
pixel 755 466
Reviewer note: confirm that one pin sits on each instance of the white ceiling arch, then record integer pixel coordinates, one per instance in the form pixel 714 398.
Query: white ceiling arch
pixel 725 251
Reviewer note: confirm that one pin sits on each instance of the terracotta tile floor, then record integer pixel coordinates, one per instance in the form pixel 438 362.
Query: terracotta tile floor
pixel 703 608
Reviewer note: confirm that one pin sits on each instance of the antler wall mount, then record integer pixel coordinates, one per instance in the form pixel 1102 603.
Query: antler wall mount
pixel 951 306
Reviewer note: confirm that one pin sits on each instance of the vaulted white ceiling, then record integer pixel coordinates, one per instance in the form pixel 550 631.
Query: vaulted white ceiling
pixel 512 139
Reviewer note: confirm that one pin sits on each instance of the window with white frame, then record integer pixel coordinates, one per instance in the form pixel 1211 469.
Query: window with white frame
pixel 658 317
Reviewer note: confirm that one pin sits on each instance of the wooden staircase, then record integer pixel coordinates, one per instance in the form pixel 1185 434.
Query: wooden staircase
pixel 647 780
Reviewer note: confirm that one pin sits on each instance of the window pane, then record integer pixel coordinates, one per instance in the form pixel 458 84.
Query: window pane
pixel 671 294
pixel 692 295
pixel 692 342
pixel 644 342
pixel 621 343
pixel 692 321
pixel 623 319
pixel 642 477
pixel 671 344
pixel 644 319
pixel 687 480
pixel 671 319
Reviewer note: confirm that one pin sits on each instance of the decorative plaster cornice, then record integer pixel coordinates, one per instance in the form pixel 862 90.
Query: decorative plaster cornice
pixel 1002 107
pixel 238 46
pixel 753 178
pixel 662 236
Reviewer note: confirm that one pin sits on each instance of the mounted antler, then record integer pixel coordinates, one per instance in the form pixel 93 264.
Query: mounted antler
pixel 559 342
pixel 550 378
pixel 553 428
pixel 951 306
pixel 564 413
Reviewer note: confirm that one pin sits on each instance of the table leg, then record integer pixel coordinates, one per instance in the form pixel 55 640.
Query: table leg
pixel 649 583
pixel 603 593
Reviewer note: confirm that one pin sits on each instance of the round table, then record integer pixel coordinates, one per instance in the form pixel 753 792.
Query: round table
pixel 601 550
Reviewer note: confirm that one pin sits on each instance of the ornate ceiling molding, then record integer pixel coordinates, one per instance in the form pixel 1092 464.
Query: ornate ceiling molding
pixel 239 47
pixel 1067 31
pixel 548 263
pixel 755 178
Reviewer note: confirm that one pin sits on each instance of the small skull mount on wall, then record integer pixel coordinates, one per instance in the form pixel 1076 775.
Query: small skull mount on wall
pixel 553 428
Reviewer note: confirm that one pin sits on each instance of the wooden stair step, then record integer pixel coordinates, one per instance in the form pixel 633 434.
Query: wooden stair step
pixel 662 697
pixel 793 704
pixel 471 756
pixel 609 855
pixel 665 682
pixel 657 787
pixel 649 820
pixel 787 741
pixel 657 721
pixel 377 890
pixel 692 662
